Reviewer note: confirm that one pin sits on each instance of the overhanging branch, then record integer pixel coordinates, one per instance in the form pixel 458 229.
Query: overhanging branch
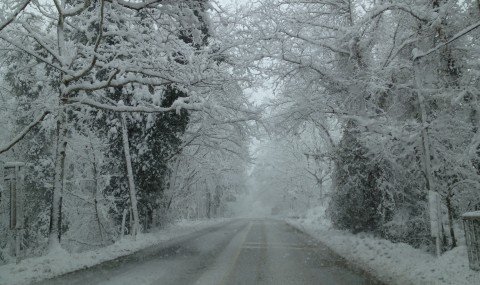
pixel 12 17
pixel 180 103
pixel 458 35
pixel 24 132
pixel 136 5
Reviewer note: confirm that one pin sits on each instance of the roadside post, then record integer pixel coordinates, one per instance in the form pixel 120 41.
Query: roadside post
pixel 12 176
pixel 471 223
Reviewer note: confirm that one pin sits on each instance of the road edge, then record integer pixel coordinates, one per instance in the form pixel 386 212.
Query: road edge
pixel 351 264
pixel 52 265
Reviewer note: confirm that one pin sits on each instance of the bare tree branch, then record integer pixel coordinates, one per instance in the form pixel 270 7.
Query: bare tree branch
pixel 23 133
pixel 75 11
pixel 97 44
pixel 12 17
pixel 137 5
pixel 180 103
pixel 452 39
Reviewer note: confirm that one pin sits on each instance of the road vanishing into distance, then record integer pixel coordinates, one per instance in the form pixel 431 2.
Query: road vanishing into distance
pixel 259 251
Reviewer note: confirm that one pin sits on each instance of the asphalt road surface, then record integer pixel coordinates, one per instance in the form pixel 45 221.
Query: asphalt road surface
pixel 240 252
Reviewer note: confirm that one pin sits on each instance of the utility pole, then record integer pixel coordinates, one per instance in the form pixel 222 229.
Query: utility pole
pixel 433 195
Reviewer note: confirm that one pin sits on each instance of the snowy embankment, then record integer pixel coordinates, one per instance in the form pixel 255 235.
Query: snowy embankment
pixel 60 262
pixel 392 263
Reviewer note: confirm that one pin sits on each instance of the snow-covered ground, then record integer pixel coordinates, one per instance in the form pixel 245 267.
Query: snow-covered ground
pixel 60 262
pixel 393 263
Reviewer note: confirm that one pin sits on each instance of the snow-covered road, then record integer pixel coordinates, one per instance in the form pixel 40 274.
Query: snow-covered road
pixel 240 252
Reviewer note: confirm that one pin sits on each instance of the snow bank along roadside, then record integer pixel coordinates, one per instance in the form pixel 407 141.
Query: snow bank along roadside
pixel 60 262
pixel 394 263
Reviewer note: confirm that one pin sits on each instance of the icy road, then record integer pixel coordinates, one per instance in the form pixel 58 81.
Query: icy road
pixel 240 252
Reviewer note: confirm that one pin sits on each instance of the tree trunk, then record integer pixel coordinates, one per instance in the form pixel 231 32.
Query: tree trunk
pixel 60 154
pixel 208 203
pixel 56 209
pixel 450 218
pixel 95 191
pixel 131 182
pixel 124 217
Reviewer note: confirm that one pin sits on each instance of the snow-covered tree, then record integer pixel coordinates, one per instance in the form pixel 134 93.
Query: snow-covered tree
pixel 397 79
pixel 211 168
pixel 150 61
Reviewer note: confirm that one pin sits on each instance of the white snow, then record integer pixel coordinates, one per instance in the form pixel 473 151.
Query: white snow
pixel 475 214
pixel 392 263
pixel 59 262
